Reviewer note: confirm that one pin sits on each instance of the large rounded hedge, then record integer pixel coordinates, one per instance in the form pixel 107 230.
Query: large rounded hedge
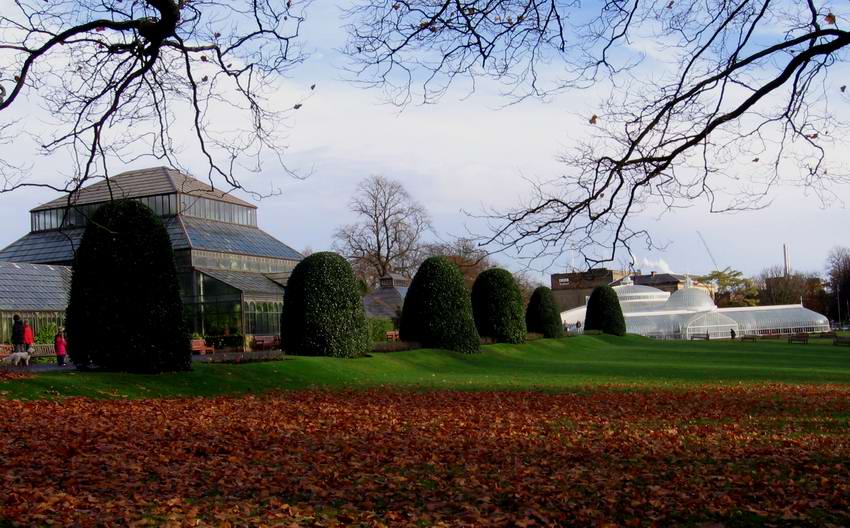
pixel 322 310
pixel 542 315
pixel 124 311
pixel 437 310
pixel 604 313
pixel 497 306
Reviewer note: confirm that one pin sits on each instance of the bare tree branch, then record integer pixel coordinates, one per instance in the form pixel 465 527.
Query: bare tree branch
pixel 716 101
pixel 117 75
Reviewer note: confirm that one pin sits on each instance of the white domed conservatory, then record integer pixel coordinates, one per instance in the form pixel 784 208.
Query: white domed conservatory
pixel 690 312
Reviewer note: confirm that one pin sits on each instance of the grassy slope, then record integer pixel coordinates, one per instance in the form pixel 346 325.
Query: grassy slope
pixel 544 364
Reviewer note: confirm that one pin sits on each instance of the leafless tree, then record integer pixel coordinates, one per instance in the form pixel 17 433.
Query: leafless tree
pixel 775 287
pixel 465 253
pixel 717 101
pixel 117 75
pixel 388 236
pixel 527 284
pixel 838 271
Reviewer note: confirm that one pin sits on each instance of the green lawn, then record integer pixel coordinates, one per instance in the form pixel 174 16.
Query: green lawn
pixel 541 365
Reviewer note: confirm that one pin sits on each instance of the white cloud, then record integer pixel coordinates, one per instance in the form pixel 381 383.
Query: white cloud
pixel 648 265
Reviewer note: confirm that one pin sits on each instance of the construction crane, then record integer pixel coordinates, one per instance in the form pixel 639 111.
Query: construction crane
pixel 705 245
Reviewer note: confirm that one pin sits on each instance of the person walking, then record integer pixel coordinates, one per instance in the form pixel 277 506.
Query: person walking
pixel 61 348
pixel 733 334
pixel 17 333
pixel 29 339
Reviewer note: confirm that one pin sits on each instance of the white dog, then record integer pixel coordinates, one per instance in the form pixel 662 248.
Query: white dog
pixel 17 358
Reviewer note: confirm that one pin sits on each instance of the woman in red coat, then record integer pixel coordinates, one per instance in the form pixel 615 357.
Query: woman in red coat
pixel 29 340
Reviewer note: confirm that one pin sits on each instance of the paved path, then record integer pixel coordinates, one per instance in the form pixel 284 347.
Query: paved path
pixel 199 358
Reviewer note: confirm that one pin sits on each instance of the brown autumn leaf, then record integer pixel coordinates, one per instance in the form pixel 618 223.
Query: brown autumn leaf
pixel 829 18
pixel 609 456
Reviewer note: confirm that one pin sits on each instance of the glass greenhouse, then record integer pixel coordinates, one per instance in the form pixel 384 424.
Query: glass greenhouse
pixel 232 274
pixel 691 311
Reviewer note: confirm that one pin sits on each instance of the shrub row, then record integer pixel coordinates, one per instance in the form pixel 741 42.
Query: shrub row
pixel 125 311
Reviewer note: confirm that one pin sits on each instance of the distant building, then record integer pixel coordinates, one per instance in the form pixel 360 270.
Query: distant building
pixel 572 289
pixel 690 311
pixel 388 300
pixel 232 274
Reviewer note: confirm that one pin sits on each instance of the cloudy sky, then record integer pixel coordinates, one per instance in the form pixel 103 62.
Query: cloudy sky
pixel 460 156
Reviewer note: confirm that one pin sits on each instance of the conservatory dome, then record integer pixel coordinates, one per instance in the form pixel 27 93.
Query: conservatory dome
pixel 628 291
pixel 690 298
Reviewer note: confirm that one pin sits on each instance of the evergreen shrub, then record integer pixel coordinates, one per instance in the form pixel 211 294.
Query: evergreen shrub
pixel 378 328
pixel 124 311
pixel 323 312
pixel 497 307
pixel 437 310
pixel 604 312
pixel 542 315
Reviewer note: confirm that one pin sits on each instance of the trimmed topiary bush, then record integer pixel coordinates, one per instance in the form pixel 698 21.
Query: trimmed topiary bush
pixel 124 311
pixel 437 310
pixel 604 312
pixel 497 306
pixel 322 310
pixel 542 315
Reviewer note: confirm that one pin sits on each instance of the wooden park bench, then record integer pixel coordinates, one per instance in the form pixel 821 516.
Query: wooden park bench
pixel 38 350
pixel 838 341
pixel 752 338
pixel 704 337
pixel 799 338
pixel 827 335
pixel 392 335
pixel 265 342
pixel 199 346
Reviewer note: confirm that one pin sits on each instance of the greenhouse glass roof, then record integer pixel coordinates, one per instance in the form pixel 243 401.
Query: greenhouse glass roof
pixel 689 299
pixel 252 283
pixel 33 287
pixel 48 247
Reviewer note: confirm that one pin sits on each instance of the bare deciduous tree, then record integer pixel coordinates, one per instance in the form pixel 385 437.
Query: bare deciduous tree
pixel 775 287
pixel 716 101
pixel 838 271
pixel 466 254
pixel 116 75
pixel 388 236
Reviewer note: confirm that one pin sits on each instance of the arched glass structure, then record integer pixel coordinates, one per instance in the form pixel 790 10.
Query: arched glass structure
pixel 691 312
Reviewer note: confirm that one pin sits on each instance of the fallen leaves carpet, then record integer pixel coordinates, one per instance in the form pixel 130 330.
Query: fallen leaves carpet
pixel 735 456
